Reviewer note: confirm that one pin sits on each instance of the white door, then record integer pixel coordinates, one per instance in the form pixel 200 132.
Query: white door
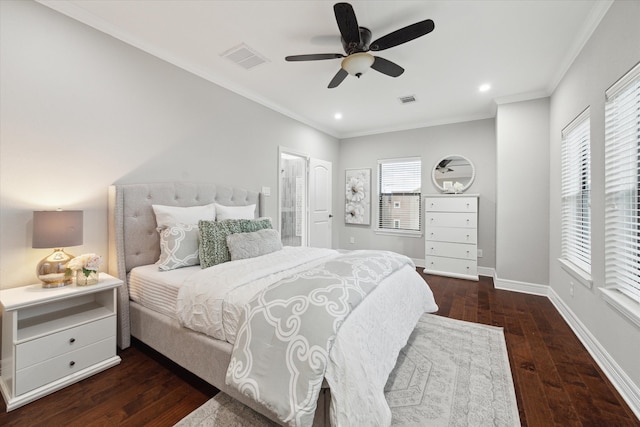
pixel 320 203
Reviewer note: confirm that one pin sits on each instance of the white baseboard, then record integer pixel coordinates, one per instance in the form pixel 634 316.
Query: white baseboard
pixel 517 286
pixel 486 271
pixel 629 391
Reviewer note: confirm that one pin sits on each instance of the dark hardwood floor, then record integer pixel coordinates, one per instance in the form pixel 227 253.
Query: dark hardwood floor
pixel 557 382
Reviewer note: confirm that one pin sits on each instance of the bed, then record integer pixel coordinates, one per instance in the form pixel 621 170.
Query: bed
pixel 134 245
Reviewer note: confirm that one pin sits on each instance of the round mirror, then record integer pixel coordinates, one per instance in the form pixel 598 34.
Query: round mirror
pixel 453 174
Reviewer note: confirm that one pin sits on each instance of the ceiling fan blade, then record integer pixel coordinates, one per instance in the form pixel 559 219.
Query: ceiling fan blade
pixel 314 57
pixel 403 35
pixel 387 67
pixel 347 23
pixel 338 78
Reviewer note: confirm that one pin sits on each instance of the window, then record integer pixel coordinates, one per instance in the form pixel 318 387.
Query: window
pixel 576 194
pixel 622 197
pixel 399 192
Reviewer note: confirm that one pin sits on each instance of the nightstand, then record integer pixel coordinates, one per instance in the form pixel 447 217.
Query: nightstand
pixel 54 337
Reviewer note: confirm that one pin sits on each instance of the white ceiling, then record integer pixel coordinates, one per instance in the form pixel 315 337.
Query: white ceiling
pixel 521 48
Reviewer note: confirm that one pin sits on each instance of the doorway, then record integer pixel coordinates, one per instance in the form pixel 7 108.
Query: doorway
pixel 293 199
pixel 305 200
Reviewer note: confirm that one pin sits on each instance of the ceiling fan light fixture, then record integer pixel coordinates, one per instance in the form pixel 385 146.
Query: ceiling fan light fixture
pixel 357 64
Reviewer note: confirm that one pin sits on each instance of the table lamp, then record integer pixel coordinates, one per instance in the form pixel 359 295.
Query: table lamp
pixel 56 229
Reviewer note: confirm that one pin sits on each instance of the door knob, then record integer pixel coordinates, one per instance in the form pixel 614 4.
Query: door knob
pixel 330 216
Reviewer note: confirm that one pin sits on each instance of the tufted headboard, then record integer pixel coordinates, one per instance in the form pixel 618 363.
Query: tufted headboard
pixel 133 239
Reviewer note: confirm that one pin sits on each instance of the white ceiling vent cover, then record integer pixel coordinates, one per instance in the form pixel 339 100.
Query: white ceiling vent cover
pixel 244 56
pixel 407 99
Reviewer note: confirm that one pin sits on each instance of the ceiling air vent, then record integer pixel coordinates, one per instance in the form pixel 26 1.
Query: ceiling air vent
pixel 407 99
pixel 244 56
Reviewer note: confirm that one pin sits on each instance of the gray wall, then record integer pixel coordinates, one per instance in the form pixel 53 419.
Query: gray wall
pixel 475 140
pixel 81 110
pixel 522 234
pixel 597 67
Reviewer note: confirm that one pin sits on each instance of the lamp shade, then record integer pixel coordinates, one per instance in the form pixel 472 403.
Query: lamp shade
pixel 357 64
pixel 57 229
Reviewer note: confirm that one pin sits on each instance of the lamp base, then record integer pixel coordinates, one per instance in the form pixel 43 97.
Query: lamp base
pixel 52 270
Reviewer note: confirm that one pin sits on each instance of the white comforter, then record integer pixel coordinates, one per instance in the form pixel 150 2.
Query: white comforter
pixel 211 300
pixel 367 344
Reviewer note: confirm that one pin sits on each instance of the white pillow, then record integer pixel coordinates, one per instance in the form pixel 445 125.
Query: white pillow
pixel 171 215
pixel 235 212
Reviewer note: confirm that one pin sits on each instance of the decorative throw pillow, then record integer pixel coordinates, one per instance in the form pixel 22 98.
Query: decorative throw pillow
pixel 171 215
pixel 235 212
pixel 213 237
pixel 250 245
pixel 178 246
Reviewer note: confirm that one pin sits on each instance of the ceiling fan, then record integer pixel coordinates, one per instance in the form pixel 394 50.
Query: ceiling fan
pixel 356 42
pixel 443 166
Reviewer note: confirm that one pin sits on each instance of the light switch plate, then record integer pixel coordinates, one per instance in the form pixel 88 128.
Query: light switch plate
pixel 266 191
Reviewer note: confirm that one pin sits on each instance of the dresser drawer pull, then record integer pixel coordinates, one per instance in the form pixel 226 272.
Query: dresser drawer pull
pixel 72 340
pixel 72 363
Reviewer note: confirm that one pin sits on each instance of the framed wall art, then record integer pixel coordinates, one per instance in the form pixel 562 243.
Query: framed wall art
pixel 358 196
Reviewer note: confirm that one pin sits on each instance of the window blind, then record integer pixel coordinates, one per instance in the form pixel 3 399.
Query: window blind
pixel 400 194
pixel 576 192
pixel 622 154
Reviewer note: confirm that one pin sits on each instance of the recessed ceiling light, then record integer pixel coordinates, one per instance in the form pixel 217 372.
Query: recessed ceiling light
pixel 337 116
pixel 485 87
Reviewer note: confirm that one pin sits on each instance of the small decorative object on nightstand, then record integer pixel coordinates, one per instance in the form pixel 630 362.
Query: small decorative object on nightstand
pixel 85 268
pixel 52 338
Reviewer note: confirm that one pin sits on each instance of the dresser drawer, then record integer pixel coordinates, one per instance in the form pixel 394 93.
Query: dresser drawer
pixel 449 219
pixel 67 364
pixel 452 250
pixel 40 349
pixel 454 266
pixel 451 204
pixel 453 235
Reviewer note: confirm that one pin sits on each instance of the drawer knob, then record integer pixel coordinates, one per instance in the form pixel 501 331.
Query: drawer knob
pixel 72 363
pixel 72 340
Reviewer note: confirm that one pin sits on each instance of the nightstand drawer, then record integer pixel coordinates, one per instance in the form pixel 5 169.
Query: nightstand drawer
pixel 452 250
pixel 67 364
pixel 50 346
pixel 455 235
pixel 451 204
pixel 449 219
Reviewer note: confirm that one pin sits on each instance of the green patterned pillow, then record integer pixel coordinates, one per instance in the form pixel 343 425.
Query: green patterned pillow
pixel 213 237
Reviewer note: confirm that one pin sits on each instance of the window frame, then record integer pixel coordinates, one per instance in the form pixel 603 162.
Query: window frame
pixel 622 195
pixel 390 229
pixel 575 196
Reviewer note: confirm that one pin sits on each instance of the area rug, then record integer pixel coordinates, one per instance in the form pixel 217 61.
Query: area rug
pixel 451 373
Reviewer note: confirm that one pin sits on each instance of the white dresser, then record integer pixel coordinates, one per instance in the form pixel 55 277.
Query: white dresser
pixel 53 337
pixel 451 238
